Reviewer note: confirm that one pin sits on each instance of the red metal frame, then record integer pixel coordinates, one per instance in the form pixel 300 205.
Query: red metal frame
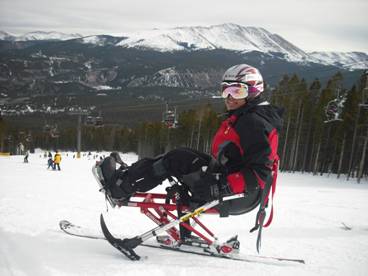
pixel 171 206
pixel 155 207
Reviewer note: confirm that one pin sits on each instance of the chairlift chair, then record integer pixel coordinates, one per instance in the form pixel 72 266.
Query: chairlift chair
pixel 333 110
pixel 90 121
pixel 99 121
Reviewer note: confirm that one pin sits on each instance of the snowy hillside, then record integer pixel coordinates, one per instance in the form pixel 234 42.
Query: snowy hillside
pixel 352 60
pixel 100 40
pixel 6 36
pixel 225 36
pixel 319 219
pixel 38 35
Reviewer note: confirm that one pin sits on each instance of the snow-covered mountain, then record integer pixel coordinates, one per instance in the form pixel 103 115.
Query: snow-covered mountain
pixel 225 36
pixel 101 40
pixel 39 35
pixel 351 60
pixel 228 36
pixel 6 36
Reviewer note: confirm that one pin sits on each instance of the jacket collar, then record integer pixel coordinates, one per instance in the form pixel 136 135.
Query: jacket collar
pixel 246 107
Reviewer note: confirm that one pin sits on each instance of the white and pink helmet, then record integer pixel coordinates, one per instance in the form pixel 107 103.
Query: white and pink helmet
pixel 246 74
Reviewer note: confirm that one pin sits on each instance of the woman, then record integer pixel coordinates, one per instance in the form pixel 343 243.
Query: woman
pixel 248 137
pixel 245 146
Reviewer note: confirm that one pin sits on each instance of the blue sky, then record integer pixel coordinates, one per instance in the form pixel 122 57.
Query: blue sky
pixel 312 25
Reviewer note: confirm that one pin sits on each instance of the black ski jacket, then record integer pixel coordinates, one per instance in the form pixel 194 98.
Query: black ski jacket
pixel 248 138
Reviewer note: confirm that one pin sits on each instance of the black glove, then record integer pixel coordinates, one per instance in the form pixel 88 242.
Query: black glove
pixel 115 155
pixel 204 187
pixel 230 157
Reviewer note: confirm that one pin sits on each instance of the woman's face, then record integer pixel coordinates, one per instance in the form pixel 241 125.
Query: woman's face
pixel 232 104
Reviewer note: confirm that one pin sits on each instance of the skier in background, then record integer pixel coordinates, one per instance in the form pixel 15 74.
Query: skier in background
pixel 25 160
pixel 50 163
pixel 57 160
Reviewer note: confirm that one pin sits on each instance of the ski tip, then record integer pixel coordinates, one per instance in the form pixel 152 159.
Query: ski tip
pixel 102 223
pixel 124 246
pixel 105 230
pixel 64 224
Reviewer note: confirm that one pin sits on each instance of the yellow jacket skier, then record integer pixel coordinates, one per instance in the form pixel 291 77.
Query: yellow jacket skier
pixel 57 160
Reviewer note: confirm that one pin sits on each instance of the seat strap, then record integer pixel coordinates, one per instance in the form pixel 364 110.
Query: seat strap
pixel 273 189
pixel 261 215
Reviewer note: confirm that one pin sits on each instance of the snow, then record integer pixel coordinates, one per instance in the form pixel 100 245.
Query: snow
pixel 225 36
pixel 94 39
pixel 350 60
pixel 104 87
pixel 6 36
pixel 310 213
pixel 238 38
pixel 40 35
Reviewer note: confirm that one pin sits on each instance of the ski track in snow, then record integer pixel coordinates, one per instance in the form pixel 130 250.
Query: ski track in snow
pixel 320 219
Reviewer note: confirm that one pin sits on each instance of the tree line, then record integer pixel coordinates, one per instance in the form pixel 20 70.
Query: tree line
pixel 312 140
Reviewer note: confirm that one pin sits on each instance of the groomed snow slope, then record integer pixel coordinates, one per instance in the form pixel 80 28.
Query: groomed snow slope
pixel 308 224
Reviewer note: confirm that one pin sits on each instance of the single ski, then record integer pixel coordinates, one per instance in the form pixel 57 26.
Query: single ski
pixel 346 227
pixel 79 231
pixel 76 230
pixel 248 258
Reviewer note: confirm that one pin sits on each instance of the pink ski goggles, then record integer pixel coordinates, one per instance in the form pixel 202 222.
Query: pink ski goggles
pixel 237 90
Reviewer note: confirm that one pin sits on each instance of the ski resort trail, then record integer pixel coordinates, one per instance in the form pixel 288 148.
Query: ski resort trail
pixel 320 219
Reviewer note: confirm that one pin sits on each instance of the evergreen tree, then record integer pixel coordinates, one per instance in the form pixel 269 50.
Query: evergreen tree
pixel 3 131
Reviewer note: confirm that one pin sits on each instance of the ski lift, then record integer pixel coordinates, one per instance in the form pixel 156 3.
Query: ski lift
pixel 47 128
pixel 170 118
pixel 364 103
pixel 90 121
pixel 93 121
pixel 98 121
pixel 334 109
pixel 28 138
pixel 54 132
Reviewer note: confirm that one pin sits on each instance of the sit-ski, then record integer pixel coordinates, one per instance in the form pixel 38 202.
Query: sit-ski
pixel 160 208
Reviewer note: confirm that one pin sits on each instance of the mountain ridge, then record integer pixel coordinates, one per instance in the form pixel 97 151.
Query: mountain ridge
pixel 227 36
pixel 139 67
